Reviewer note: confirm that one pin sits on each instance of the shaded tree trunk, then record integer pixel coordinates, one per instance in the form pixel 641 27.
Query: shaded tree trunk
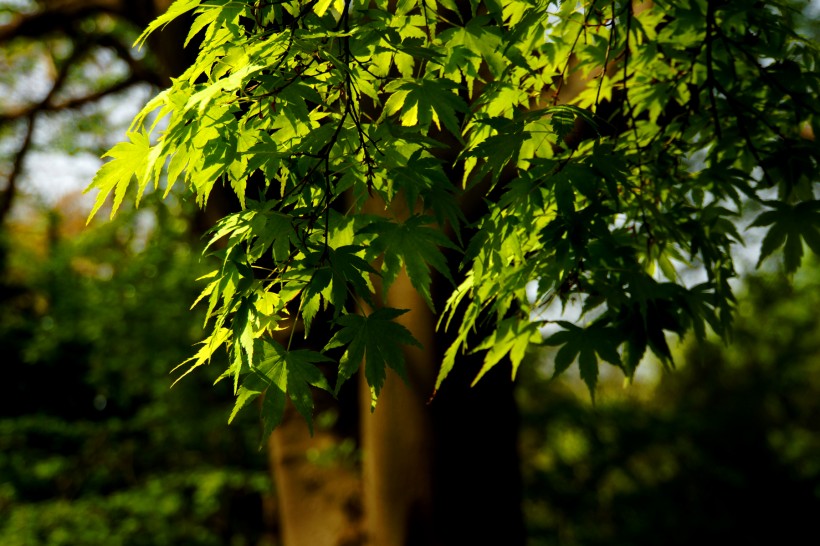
pixel 398 440
pixel 319 503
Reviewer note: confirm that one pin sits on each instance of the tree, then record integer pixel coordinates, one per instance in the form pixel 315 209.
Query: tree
pixel 68 70
pixel 591 151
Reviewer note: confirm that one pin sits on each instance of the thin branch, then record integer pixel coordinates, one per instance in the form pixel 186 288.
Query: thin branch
pixel 612 37
pixel 55 18
pixel 7 195
pixel 138 73
pixel 710 69
pixel 68 104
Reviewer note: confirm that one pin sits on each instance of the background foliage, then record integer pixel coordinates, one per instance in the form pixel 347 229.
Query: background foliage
pixel 726 446
pixel 95 448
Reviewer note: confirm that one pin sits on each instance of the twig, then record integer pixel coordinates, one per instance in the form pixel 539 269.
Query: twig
pixel 612 35
pixel 7 196
pixel 710 70
pixel 68 104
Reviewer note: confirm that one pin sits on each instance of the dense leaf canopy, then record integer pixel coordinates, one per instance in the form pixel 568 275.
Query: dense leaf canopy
pixel 613 146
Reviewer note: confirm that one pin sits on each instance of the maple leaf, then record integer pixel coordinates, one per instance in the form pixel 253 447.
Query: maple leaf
pixel 175 10
pixel 348 268
pixel 498 150
pixel 511 337
pixel 377 340
pixel 790 224
pixel 130 159
pixel 583 344
pixel 413 245
pixel 563 117
pixel 424 101
pixel 282 374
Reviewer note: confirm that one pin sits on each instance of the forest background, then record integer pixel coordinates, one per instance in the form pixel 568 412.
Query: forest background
pixel 96 449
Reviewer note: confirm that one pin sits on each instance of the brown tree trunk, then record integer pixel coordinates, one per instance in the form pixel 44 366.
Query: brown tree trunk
pixel 397 439
pixel 319 504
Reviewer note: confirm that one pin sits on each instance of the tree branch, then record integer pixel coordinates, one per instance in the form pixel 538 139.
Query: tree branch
pixel 7 195
pixel 54 17
pixel 68 104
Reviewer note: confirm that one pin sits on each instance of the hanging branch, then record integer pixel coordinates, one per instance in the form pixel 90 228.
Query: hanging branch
pixel 54 19
pixel 7 197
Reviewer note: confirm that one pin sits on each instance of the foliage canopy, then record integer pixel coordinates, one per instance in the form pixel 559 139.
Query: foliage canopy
pixel 685 116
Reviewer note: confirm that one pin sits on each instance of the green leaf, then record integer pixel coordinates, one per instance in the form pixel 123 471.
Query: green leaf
pixel 584 344
pixel 375 339
pixel 512 337
pixel 426 101
pixel 320 7
pixel 562 118
pixel 499 149
pixel 411 244
pixel 282 374
pixel 179 7
pixel 348 269
pixel 588 365
pixel 790 225
pixel 218 338
pixel 130 160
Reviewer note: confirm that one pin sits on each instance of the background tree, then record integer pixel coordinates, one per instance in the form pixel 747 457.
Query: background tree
pixel 66 57
pixel 95 447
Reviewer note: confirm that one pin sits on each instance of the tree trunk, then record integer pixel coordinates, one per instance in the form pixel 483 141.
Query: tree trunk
pixel 319 504
pixel 397 439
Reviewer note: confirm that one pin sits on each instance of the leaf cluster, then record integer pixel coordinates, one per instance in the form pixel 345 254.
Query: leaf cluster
pixel 314 113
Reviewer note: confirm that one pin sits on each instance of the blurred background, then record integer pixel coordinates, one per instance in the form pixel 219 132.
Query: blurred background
pixel 97 448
